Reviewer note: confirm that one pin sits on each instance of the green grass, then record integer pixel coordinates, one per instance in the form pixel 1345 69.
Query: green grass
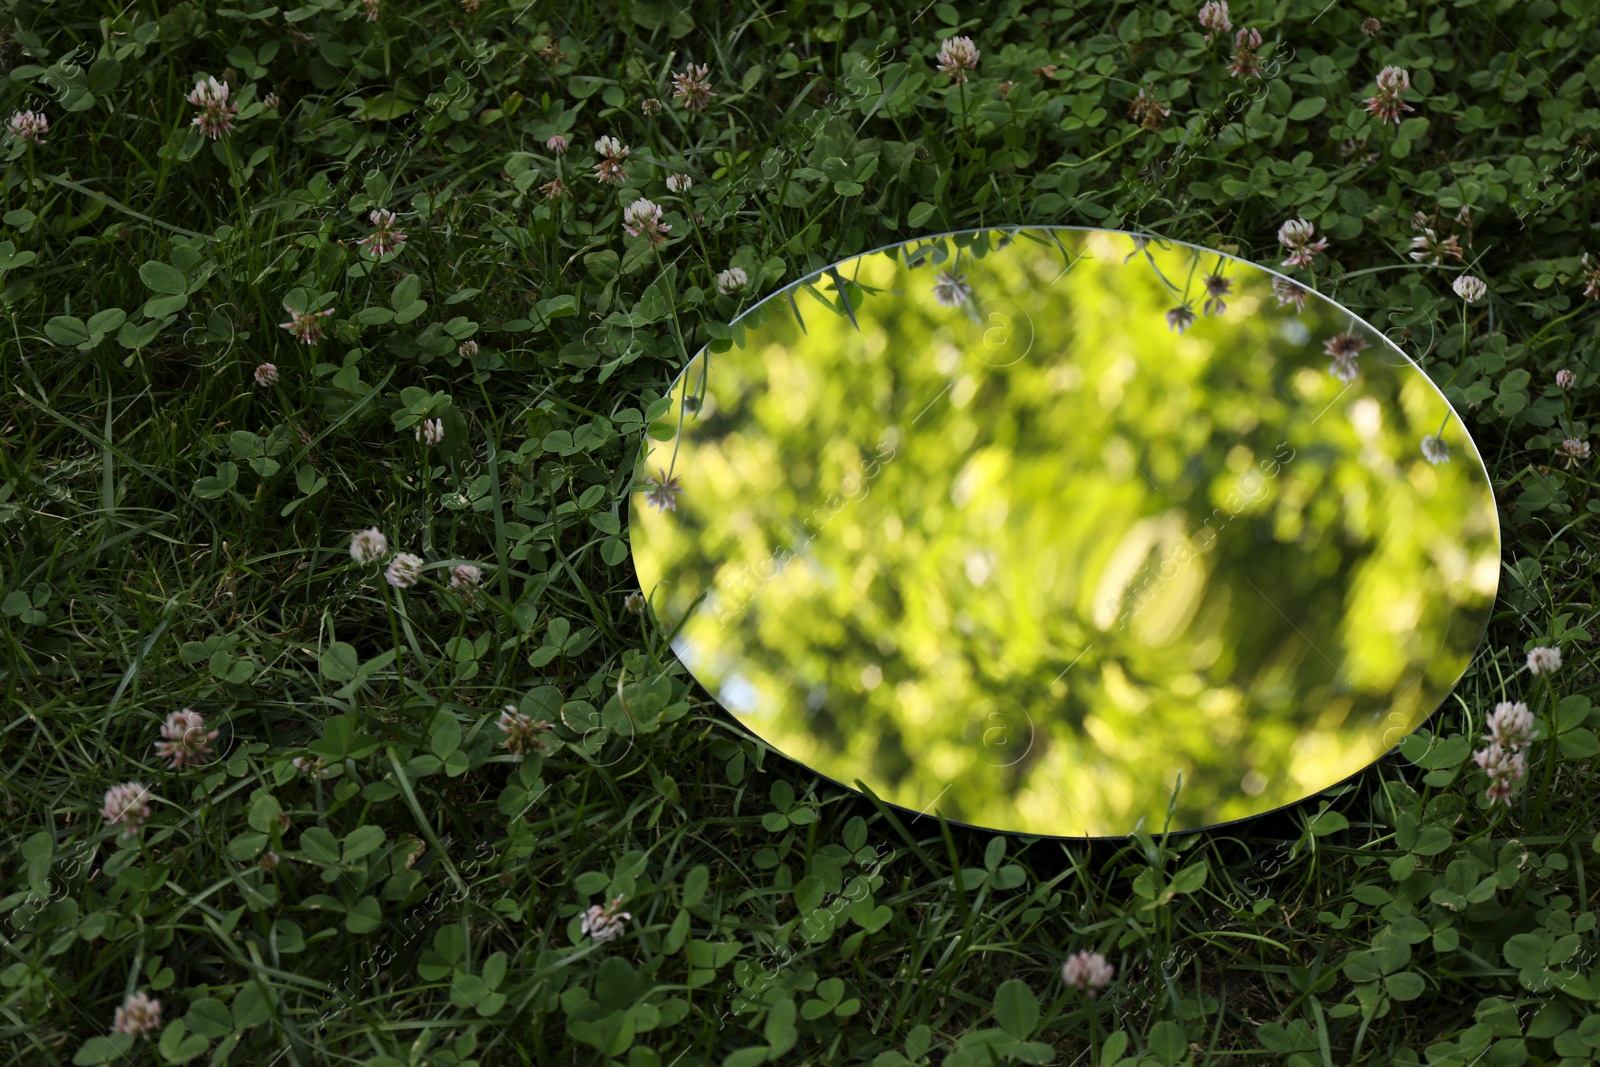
pixel 177 536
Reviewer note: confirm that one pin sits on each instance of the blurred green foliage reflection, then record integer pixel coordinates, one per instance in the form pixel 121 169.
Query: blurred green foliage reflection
pixel 976 523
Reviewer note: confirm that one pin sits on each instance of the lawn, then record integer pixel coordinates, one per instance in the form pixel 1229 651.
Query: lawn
pixel 334 729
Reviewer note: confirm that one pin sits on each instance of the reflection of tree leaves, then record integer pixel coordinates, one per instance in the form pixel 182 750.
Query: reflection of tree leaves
pixel 882 576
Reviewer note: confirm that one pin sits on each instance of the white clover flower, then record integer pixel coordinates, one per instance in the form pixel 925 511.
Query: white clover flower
pixel 639 214
pixel 1434 450
pixel 467 349
pixel 1506 769
pixel 386 238
pixel 1147 110
pixel 605 923
pixel 557 145
pixel 1345 344
pixel 1394 80
pixel 1288 293
pixel 29 126
pixel 208 92
pixel 313 766
pixel 1214 17
pixel 1217 287
pixel 369 546
pixel 1505 760
pixel 186 739
pixel 1469 287
pixel 1565 379
pixel 522 732
pixel 679 183
pixel 1295 235
pixel 1511 725
pixel 642 218
pixel 465 577
pixel 1087 972
pixel 1544 660
pixel 404 570
pixel 267 374
pixel 693 87
pixel 430 431
pixel 1344 348
pixel 1574 450
pixel 1429 247
pixel 305 324
pixel 1387 105
pixel 1245 63
pixel 1591 278
pixel 126 805
pixel 139 1014
pixel 661 491
pixel 731 281
pixel 216 114
pixel 951 289
pixel 612 153
pixel 1295 231
pixel 957 55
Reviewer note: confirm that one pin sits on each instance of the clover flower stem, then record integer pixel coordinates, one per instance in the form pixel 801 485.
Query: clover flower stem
pixel 1549 738
pixel 254 518
pixel 1455 374
pixel 427 492
pixel 677 437
pixel 427 496
pixel 1108 148
pixel 1166 281
pixel 236 181
pixel 677 333
pixel 966 136
pixel 1216 73
pixel 424 824
pixel 394 629
pixel 700 238
pixel 1095 1036
pixel 1555 322
pixel 438 705
pixel 502 558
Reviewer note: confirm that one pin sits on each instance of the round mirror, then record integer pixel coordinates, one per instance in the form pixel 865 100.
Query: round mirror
pixel 1066 532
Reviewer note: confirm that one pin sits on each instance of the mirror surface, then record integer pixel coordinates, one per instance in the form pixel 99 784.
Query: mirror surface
pixel 1053 530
